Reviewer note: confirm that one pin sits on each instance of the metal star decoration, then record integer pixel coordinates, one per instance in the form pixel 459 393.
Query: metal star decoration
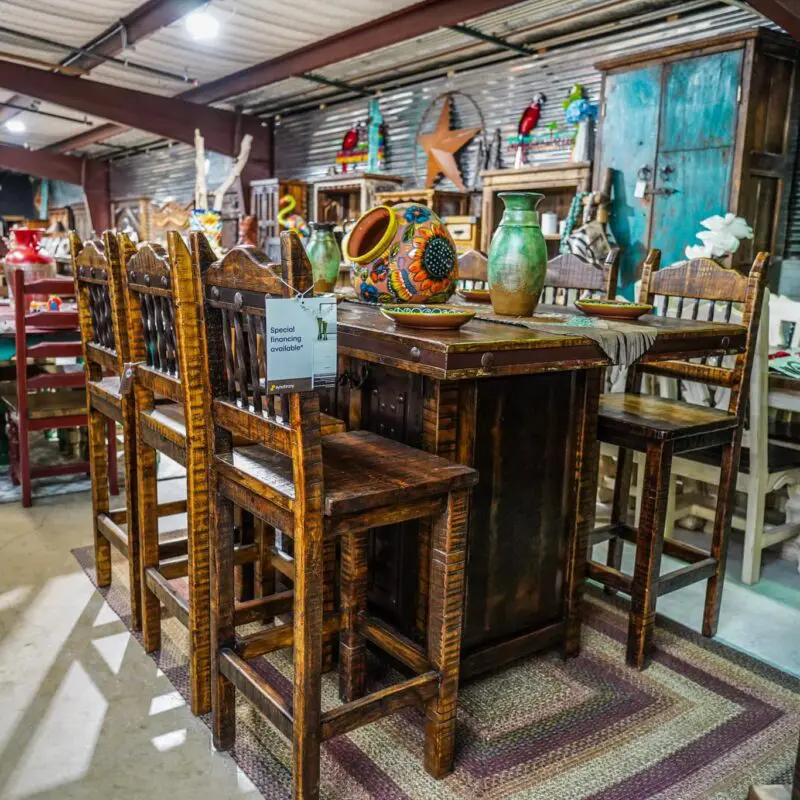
pixel 442 144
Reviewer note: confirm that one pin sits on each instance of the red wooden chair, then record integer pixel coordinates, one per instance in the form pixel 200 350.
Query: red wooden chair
pixel 46 399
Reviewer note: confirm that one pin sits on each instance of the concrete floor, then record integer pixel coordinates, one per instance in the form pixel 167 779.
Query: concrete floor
pixel 84 713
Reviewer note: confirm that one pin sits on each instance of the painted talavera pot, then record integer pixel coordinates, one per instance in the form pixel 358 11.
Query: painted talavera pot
pixel 402 254
pixel 517 256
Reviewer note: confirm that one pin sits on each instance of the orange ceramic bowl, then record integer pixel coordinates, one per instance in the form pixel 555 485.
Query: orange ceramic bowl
pixel 613 309
pixel 431 317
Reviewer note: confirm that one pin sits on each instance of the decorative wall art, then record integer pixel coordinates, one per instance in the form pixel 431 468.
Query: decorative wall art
pixel 365 143
pixel 442 144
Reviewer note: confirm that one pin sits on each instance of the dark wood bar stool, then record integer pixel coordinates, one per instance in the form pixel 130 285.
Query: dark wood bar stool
pixel 97 269
pixel 660 428
pixel 314 489
pixel 168 387
pixel 46 396
pixel 570 278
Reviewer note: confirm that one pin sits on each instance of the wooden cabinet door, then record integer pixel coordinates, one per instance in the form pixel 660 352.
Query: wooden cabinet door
pixel 628 145
pixel 697 134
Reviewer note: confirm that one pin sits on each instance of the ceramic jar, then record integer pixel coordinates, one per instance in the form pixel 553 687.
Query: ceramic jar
pixel 517 256
pixel 402 254
pixel 25 254
pixel 324 255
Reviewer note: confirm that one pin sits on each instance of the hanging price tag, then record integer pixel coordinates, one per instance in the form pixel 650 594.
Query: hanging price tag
pixel 300 343
pixel 640 190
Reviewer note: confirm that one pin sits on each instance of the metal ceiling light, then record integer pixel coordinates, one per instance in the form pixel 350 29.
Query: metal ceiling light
pixel 16 126
pixel 202 25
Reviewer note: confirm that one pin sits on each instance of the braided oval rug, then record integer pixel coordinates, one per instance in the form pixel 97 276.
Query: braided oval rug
pixel 703 721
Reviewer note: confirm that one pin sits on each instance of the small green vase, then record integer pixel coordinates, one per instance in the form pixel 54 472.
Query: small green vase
pixel 517 256
pixel 324 255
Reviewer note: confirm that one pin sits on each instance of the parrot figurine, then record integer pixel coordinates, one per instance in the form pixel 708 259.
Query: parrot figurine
pixel 527 122
pixel 575 93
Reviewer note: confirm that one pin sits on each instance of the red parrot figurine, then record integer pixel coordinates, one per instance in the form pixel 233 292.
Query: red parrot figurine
pixel 527 122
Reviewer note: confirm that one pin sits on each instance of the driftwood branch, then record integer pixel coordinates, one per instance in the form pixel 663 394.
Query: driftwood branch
pixel 200 188
pixel 244 154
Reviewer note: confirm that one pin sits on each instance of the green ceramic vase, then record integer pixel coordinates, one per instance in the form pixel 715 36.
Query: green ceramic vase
pixel 324 255
pixel 517 256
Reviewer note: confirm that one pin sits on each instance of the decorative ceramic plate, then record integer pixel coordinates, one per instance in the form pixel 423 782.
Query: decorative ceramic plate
pixel 475 295
pixel 613 309
pixel 431 317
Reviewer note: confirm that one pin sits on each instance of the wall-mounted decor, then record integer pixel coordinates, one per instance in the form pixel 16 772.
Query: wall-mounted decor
pixel 442 144
pixel 365 142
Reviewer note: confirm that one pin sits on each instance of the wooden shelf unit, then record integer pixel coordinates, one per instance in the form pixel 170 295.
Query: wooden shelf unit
pixel 439 201
pixel 558 182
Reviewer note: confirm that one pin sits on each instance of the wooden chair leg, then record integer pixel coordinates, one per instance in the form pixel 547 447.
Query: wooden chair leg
pixel 113 478
pixel 247 572
pixel 223 694
pixel 99 471
pixel 619 507
pixel 147 487
pixel 199 577
pixel 445 613
pixel 24 464
pixel 649 544
pixel 132 505
pixel 265 536
pixel 308 601
pixel 12 430
pixel 330 640
pixel 721 534
pixel 353 599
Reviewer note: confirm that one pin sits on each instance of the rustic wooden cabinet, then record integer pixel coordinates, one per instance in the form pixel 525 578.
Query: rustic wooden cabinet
pixel 558 182
pixel 705 129
pixel 439 201
pixel 345 197
pixel 265 201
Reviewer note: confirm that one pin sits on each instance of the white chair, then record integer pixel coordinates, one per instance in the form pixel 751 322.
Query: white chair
pixel 766 465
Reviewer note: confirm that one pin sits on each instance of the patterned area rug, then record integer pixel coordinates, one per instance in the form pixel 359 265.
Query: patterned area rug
pixel 703 721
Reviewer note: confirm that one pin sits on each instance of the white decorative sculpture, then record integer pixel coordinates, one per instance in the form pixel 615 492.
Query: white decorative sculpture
pixel 722 236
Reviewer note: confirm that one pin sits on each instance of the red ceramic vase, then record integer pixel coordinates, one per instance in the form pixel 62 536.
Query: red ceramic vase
pixel 25 254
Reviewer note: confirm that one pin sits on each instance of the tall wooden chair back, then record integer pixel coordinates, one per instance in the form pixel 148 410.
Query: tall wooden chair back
pixel 97 272
pixel 152 330
pixel 58 324
pixel 693 284
pixel 570 278
pixel 235 289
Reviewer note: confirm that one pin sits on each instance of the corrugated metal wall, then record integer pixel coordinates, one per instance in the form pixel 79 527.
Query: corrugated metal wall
pixel 792 249
pixel 306 144
pixel 164 174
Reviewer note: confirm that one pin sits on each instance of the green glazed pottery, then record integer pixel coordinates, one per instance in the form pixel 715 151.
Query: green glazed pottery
pixel 517 256
pixel 402 254
pixel 432 317
pixel 324 255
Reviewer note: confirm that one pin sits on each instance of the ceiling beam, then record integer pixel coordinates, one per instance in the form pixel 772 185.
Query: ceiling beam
pixel 397 27
pixel 142 22
pixel 41 164
pixel 168 117
pixel 407 23
pixel 785 12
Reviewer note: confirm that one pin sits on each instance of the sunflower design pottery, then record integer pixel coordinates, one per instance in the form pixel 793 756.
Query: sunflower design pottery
pixel 432 317
pixel 402 254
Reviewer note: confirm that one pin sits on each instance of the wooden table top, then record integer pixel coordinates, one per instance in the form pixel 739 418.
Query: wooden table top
pixel 491 348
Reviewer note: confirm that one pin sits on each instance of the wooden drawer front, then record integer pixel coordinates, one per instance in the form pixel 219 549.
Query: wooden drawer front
pixel 461 231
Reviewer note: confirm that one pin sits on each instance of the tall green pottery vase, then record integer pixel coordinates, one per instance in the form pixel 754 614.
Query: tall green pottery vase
pixel 517 256
pixel 324 255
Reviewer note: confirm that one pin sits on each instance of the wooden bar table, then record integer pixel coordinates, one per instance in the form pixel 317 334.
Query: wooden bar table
pixel 521 407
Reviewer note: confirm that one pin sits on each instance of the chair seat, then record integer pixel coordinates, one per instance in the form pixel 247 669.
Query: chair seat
pixel 46 405
pixel 108 388
pixel 361 471
pixel 648 417
pixel 171 415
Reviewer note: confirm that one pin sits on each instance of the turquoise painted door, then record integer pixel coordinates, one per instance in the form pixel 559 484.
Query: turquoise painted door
pixel 699 109
pixel 630 139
